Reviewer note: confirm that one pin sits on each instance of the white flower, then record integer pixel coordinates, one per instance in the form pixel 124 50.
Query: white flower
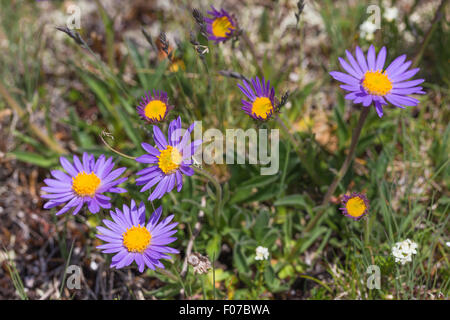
pixel 294 77
pixel 367 29
pixel 403 251
pixel 93 265
pixel 390 14
pixel 447 243
pixel 262 253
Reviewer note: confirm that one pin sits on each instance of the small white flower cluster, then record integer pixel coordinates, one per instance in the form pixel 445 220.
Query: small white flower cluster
pixel 262 253
pixel 390 14
pixel 367 29
pixel 403 251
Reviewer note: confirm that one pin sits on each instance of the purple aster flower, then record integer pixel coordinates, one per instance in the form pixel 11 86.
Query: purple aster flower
pixel 355 205
pixel 132 239
pixel 220 26
pixel 154 108
pixel 169 159
pixel 262 99
pixel 85 183
pixel 367 82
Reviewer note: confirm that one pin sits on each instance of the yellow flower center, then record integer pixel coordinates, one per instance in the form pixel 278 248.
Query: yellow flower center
pixel 377 83
pixel 262 106
pixel 355 207
pixel 169 159
pixel 155 109
pixel 221 26
pixel 136 239
pixel 85 184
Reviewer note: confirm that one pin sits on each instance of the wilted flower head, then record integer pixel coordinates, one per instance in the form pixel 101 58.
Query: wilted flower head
pixel 85 183
pixel 355 205
pixel 201 264
pixel 220 26
pixel 132 239
pixel 262 253
pixel 169 160
pixel 262 99
pixel 368 83
pixel 154 108
pixel 403 251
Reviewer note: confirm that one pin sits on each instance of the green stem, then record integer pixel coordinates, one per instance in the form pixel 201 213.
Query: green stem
pixel 218 188
pixel 342 171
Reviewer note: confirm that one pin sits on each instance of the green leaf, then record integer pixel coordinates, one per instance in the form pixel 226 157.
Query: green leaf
pixel 269 238
pixel 258 182
pixel 129 129
pixel 296 200
pixel 41 161
pixel 213 246
pixel 287 271
pixel 239 260
pixel 246 190
pixel 261 224
pixel 270 278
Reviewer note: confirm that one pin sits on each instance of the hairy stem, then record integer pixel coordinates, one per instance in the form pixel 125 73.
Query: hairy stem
pixel 114 150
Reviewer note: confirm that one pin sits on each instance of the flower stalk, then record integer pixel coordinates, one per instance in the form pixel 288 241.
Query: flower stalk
pixel 112 149
pixel 343 170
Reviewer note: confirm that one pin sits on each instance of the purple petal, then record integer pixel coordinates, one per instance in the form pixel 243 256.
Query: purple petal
pixel 354 64
pixel 371 58
pixel 151 150
pixel 345 78
pixel 361 59
pixel 68 166
pixel 405 76
pixel 349 68
pixel 395 64
pixel 146 158
pixel 381 59
pixel 160 140
pixel 408 84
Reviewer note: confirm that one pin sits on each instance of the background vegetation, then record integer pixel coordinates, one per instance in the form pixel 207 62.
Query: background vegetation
pixel 57 96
